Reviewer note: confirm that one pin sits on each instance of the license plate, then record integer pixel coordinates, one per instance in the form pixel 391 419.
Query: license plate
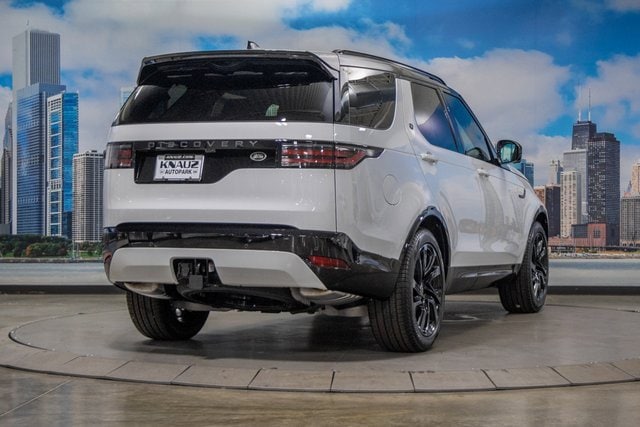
pixel 178 167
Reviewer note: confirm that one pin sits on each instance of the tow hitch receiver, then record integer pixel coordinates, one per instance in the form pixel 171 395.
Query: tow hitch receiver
pixel 195 273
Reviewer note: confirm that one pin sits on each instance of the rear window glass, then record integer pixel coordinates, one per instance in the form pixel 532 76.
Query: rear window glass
pixel 232 90
pixel 368 98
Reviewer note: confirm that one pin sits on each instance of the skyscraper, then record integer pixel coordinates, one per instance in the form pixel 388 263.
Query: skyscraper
pixel 603 188
pixel 576 160
pixel 6 173
pixel 630 220
pixel 571 201
pixel 62 144
pixel 88 169
pixel 555 169
pixel 31 155
pixel 36 60
pixel 582 132
pixel 527 169
pixel 635 178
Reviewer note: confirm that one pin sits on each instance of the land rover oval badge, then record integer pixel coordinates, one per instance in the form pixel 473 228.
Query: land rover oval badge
pixel 258 156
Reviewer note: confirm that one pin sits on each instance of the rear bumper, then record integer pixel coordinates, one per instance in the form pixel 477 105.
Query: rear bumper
pixel 246 256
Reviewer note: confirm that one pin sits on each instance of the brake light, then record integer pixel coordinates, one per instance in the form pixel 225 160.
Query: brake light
pixel 119 156
pixel 315 155
pixel 326 262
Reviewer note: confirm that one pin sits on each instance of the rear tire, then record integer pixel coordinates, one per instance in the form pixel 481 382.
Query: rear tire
pixel 410 319
pixel 528 291
pixel 158 319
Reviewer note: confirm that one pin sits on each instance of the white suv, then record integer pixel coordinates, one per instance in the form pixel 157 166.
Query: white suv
pixel 307 182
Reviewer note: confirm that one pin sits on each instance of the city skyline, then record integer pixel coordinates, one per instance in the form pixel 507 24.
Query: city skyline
pixel 525 69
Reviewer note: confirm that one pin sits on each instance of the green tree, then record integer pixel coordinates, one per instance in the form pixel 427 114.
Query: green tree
pixel 18 249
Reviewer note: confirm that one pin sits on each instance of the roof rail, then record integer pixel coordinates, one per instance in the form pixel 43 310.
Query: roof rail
pixel 400 64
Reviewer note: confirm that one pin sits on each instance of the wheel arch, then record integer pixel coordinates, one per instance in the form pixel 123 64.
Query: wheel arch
pixel 431 219
pixel 541 216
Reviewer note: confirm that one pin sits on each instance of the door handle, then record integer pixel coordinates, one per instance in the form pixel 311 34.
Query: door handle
pixel 429 157
pixel 482 172
pixel 523 194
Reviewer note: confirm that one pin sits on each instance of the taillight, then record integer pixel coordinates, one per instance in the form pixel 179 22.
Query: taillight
pixel 119 155
pixel 316 155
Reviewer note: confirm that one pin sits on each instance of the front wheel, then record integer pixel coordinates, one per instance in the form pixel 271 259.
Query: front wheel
pixel 410 319
pixel 528 292
pixel 158 319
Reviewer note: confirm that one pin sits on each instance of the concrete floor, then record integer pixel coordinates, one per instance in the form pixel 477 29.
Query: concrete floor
pixel 28 398
pixel 41 400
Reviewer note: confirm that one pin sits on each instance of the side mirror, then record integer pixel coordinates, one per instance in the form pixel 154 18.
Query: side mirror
pixel 509 151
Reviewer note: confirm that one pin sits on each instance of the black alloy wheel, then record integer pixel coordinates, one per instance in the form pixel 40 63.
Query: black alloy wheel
pixel 411 318
pixel 528 292
pixel 427 294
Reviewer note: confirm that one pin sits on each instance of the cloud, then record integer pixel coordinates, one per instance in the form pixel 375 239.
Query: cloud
pixel 615 94
pixel 466 43
pixel 330 5
pixel 5 97
pixel 514 93
pixel 623 5
pixel 565 38
pixel 387 30
pixel 102 43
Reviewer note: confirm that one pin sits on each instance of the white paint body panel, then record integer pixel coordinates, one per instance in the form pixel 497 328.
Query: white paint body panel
pixel 268 268
pixel 303 198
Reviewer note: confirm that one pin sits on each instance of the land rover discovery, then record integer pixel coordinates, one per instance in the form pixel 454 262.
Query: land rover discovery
pixel 304 182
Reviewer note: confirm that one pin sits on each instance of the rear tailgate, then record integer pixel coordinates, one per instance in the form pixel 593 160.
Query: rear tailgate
pixel 240 183
pixel 226 137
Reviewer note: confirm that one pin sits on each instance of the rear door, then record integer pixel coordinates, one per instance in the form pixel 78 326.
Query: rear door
pixel 450 175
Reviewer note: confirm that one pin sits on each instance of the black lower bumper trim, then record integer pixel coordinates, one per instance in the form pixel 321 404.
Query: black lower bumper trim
pixel 368 274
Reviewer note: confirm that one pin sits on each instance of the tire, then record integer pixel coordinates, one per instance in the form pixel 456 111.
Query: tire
pixel 158 319
pixel 528 291
pixel 410 319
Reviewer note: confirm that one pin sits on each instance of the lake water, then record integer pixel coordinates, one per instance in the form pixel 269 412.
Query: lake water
pixel 563 272
pixel 594 272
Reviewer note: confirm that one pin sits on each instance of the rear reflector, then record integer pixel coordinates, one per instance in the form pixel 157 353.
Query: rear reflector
pixel 326 262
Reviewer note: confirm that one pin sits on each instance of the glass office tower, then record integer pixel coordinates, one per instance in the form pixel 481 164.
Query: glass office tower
pixel 30 132
pixel 35 60
pixel 62 144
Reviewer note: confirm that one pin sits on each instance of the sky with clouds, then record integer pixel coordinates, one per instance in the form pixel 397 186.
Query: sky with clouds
pixel 526 67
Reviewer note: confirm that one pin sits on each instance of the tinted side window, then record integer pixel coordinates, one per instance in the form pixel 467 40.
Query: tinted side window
pixel 431 118
pixel 468 131
pixel 368 98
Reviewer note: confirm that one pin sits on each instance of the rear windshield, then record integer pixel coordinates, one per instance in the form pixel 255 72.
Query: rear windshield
pixel 232 90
